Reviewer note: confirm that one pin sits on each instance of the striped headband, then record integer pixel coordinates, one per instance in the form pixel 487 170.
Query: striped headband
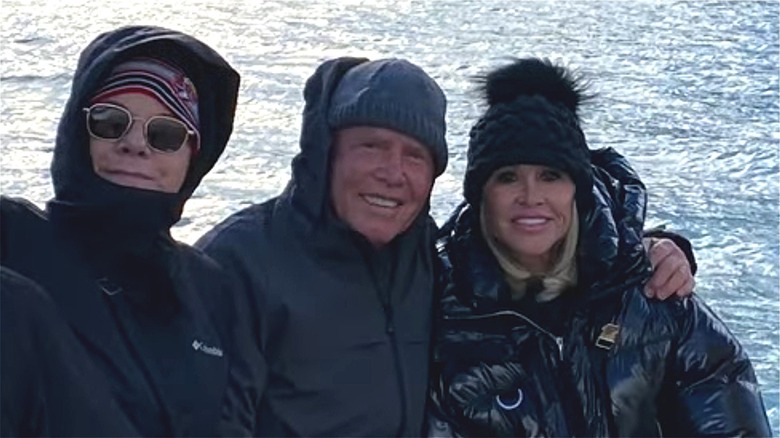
pixel 159 80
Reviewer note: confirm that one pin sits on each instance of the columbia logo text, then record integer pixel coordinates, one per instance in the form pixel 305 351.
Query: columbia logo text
pixel 200 346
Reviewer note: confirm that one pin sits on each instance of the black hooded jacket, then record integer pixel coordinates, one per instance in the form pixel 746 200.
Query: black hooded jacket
pixel 154 315
pixel 38 399
pixel 521 368
pixel 343 328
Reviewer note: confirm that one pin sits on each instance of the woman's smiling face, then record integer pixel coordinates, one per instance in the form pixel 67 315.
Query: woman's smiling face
pixel 528 211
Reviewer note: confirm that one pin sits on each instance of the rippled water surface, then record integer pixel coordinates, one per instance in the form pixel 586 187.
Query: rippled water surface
pixel 687 90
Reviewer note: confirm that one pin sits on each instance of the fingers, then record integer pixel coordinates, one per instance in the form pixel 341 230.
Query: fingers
pixel 687 287
pixel 671 271
pixel 663 268
pixel 679 283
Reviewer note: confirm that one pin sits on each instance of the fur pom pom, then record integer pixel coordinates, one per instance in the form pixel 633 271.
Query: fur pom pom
pixel 534 76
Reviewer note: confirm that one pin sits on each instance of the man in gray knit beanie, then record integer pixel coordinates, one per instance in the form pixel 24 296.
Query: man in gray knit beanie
pixel 388 120
pixel 339 268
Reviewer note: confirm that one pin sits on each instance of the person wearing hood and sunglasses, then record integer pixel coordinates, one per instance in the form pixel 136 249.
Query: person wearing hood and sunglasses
pixel 149 114
pixel 543 328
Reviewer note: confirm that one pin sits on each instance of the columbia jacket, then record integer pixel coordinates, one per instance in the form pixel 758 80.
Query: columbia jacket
pixel 342 328
pixel 154 315
pixel 601 360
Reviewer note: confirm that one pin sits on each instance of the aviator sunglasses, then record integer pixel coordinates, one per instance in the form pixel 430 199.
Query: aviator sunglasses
pixel 111 122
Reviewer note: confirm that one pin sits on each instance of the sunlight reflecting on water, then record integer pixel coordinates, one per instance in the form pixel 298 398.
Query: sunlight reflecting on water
pixel 688 92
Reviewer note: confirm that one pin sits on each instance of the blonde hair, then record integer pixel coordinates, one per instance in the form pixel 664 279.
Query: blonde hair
pixel 562 275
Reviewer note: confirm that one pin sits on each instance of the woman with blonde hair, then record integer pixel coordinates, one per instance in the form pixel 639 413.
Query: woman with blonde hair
pixel 543 328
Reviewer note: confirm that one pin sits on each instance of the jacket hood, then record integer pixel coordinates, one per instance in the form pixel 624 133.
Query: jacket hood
pixel 75 183
pixel 611 255
pixel 308 191
pixel 610 252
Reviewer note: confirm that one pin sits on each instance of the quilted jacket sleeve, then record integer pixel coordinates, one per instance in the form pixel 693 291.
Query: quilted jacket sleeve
pixel 715 384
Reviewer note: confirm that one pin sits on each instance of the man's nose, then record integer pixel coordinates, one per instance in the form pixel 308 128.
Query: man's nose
pixel 391 169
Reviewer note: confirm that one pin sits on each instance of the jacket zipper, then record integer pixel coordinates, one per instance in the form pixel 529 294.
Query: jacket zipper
pixel 384 295
pixel 390 330
pixel 558 340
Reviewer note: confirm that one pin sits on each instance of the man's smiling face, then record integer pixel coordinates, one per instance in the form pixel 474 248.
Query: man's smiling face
pixel 380 181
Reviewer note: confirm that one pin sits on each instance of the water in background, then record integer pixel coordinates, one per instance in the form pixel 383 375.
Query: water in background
pixel 688 91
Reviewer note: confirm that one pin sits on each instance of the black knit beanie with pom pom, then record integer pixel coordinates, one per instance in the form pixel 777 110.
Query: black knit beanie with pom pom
pixel 531 119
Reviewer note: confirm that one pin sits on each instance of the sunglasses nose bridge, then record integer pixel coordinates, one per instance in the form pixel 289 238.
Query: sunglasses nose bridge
pixel 134 140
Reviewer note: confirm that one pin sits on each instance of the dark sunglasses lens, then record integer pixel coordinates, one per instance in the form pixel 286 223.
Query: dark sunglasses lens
pixel 166 135
pixel 107 122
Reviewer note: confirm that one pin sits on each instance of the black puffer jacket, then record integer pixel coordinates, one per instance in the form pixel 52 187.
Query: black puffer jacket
pixel 154 315
pixel 343 328
pixel 505 368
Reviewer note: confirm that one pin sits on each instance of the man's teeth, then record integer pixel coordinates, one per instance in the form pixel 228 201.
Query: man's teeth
pixel 381 202
pixel 531 221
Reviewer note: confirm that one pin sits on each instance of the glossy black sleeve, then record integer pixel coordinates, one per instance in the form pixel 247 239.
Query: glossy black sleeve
pixel 716 391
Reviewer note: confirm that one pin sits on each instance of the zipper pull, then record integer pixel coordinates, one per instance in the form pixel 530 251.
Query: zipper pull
pixel 608 336
pixel 389 326
pixel 559 342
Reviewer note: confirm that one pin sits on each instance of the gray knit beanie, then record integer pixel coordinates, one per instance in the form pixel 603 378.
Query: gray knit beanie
pixel 393 94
